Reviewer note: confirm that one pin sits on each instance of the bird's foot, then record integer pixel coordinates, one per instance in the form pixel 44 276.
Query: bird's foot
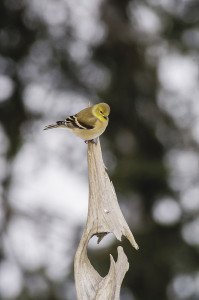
pixel 93 141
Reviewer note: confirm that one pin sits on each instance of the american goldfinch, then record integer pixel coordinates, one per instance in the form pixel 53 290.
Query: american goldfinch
pixel 88 124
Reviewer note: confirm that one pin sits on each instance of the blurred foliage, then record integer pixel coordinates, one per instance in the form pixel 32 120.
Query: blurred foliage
pixel 132 92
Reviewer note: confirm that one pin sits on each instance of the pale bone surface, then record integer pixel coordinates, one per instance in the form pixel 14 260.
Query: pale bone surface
pixel 104 216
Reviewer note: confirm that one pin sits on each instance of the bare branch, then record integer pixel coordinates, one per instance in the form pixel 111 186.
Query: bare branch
pixel 104 216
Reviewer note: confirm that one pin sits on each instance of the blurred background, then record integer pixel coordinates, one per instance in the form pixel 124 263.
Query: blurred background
pixel 141 57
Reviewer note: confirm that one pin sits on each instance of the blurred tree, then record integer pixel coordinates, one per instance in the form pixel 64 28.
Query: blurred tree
pixel 141 134
pixel 136 116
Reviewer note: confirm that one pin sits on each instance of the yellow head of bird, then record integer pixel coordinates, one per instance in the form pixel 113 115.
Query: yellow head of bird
pixel 101 111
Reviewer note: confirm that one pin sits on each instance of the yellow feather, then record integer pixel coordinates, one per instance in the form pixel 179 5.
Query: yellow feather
pixel 89 123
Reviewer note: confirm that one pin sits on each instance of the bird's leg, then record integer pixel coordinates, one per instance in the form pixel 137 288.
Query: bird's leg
pixel 94 141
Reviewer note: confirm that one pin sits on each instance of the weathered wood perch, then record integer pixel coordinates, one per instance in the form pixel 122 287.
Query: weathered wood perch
pixel 104 216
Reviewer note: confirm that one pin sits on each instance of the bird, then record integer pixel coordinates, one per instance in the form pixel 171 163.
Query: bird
pixel 88 124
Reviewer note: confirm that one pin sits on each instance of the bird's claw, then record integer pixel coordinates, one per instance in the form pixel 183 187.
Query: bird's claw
pixel 93 141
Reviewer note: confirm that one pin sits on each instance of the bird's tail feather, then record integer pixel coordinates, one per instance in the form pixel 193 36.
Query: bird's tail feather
pixel 58 124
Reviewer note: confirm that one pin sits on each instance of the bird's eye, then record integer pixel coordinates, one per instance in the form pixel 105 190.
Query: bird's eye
pixel 101 111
